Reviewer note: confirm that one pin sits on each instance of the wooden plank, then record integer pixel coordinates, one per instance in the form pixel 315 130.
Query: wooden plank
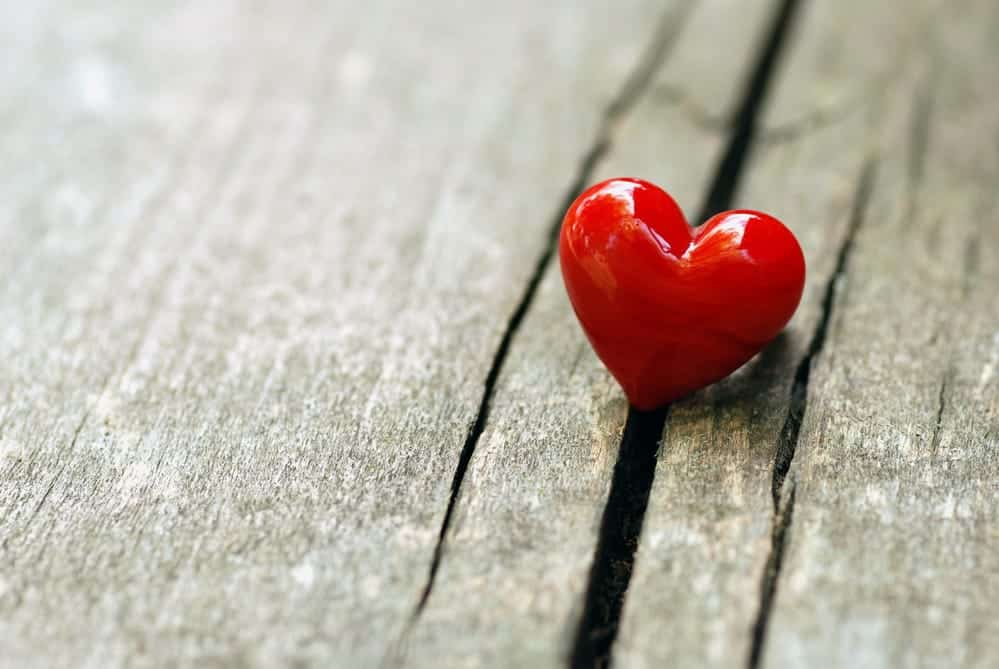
pixel 891 558
pixel 519 552
pixel 707 546
pixel 255 276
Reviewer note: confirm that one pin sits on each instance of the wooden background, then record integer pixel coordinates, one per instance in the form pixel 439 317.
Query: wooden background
pixel 288 376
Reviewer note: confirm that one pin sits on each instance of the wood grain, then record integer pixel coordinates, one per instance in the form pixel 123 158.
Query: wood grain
pixel 709 539
pixel 258 258
pixel 707 534
pixel 891 558
pixel 516 562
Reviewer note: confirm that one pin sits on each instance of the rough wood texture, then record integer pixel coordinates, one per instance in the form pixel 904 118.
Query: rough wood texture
pixel 274 270
pixel 709 546
pixel 707 535
pixel 516 562
pixel 257 261
pixel 892 559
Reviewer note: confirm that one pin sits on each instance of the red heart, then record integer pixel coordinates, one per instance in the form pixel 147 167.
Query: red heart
pixel 670 309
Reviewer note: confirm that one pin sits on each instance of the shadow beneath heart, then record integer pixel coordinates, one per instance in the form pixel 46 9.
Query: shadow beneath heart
pixel 759 382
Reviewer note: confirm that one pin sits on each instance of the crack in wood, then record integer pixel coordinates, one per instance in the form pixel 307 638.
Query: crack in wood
pixel 783 515
pixel 634 472
pixel 620 531
pixel 634 87
pixel 814 121
pixel 55 478
pixel 797 406
pixel 730 168
pixel 941 407
pixel 129 359
pixel 788 438
pixel 698 115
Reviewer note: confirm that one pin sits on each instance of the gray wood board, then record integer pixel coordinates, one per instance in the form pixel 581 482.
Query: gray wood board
pixel 257 260
pixel 709 544
pixel 707 534
pixel 516 561
pixel 891 540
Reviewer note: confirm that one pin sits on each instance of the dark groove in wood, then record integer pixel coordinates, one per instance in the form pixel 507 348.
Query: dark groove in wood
pixel 634 472
pixel 620 530
pixel 513 325
pixel 725 184
pixel 775 560
pixel 941 408
pixel 797 406
pixel 631 91
pixel 788 439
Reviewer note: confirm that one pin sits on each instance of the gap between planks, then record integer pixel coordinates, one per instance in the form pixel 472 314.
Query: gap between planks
pixel 634 87
pixel 634 473
pixel 635 468
pixel 783 496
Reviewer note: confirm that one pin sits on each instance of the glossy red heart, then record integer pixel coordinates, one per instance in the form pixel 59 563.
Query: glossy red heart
pixel 667 308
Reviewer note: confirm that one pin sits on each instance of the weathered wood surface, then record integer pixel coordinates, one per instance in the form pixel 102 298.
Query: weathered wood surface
pixel 894 490
pixel 888 558
pixel 258 259
pixel 261 262
pixel 515 563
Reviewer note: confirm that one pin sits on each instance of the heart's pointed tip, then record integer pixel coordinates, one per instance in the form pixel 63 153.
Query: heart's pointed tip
pixel 643 400
pixel 646 407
